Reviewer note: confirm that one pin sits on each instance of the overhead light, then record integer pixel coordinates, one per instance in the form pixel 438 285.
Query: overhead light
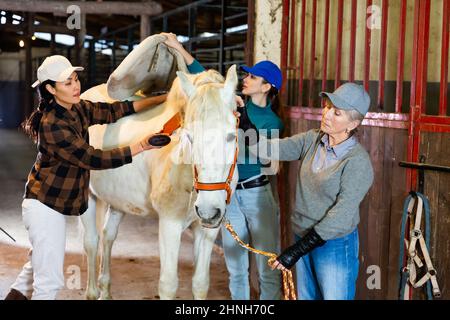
pixel 3 20
pixel 33 37
pixel 21 43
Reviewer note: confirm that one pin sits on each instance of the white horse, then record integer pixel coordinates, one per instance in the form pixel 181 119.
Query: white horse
pixel 160 181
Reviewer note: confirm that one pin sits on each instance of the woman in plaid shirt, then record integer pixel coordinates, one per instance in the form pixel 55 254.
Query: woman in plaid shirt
pixel 58 183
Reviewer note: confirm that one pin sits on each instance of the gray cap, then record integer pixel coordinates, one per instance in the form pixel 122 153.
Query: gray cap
pixel 349 96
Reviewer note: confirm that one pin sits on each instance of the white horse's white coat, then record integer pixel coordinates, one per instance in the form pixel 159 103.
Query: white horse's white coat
pixel 156 182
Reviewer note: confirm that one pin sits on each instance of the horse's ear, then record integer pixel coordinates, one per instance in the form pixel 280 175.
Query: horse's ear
pixel 186 84
pixel 231 81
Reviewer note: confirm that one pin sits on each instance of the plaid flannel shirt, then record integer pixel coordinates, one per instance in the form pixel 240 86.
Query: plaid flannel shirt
pixel 60 176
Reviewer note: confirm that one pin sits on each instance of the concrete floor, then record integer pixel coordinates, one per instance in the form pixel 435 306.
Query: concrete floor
pixel 135 263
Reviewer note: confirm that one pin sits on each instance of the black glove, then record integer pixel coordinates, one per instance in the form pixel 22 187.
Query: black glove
pixel 244 120
pixel 309 242
pixel 246 124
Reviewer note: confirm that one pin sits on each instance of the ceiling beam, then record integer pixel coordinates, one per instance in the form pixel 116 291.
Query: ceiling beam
pixel 150 8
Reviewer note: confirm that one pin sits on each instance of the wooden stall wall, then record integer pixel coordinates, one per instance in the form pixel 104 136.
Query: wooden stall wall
pixel 435 146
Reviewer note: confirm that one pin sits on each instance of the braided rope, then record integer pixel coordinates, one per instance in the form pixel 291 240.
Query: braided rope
pixel 288 280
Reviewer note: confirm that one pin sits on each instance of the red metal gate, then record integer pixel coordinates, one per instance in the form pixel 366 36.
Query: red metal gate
pixel 417 120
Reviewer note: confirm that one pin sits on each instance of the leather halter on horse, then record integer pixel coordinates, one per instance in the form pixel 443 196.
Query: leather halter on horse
pixel 173 124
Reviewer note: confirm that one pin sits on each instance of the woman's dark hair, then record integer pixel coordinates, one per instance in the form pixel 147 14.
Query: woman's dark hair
pixel 31 125
pixel 278 108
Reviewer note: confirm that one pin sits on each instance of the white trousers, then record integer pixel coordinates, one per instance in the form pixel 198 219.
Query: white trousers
pixel 43 275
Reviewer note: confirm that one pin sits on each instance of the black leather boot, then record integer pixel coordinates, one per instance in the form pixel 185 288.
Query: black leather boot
pixel 15 295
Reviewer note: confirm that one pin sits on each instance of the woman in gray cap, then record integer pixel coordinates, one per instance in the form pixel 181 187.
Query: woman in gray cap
pixel 334 176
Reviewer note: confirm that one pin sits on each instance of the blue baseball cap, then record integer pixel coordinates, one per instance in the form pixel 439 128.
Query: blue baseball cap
pixel 267 70
pixel 349 96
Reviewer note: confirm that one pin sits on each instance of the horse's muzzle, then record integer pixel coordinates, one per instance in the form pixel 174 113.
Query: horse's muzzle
pixel 211 219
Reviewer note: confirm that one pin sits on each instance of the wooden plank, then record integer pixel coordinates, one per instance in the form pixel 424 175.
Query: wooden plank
pixel 150 8
pixel 385 212
pixel 399 194
pixel 430 145
pixel 436 147
pixel 442 213
pixel 373 244
pixel 361 287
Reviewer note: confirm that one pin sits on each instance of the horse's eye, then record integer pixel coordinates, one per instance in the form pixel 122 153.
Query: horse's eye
pixel 231 137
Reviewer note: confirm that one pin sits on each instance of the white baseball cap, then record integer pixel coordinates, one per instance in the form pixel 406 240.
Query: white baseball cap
pixel 56 68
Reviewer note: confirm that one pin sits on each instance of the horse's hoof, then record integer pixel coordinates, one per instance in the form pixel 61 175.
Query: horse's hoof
pixel 105 297
pixel 92 296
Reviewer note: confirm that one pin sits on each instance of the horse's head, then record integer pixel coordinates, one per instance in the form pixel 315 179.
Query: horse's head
pixel 211 126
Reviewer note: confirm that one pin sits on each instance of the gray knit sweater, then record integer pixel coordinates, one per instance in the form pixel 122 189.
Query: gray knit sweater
pixel 327 200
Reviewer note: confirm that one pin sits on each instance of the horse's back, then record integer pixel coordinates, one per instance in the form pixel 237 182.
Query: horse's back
pixel 127 188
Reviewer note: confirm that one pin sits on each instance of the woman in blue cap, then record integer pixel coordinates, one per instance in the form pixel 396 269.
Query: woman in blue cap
pixel 253 212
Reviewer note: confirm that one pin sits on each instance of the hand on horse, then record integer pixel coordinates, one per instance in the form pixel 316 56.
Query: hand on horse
pixel 239 102
pixel 157 140
pixel 172 40
pixel 153 141
pixel 291 255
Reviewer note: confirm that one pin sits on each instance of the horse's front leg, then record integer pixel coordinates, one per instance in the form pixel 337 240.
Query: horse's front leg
pixel 109 235
pixel 90 240
pixel 203 244
pixel 170 230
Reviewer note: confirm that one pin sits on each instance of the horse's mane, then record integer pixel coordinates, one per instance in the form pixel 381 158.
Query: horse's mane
pixel 202 81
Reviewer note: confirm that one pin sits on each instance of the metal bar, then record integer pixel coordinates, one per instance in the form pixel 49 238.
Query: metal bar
pixel 165 24
pixel 325 47
pixel 1 229
pixel 28 60
pixel 401 58
pixel 367 40
pixel 236 16
pixel 423 56
pixel 423 166
pixel 413 134
pixel 222 37
pixel 233 62
pixel 184 8
pixel 302 52
pixel 340 22
pixel 192 29
pixel 218 7
pixel 237 46
pixel 130 40
pixel 312 55
pixel 382 66
pixel 284 47
pixel 127 28
pixel 351 74
pixel 444 58
pixel 435 120
pixel 292 34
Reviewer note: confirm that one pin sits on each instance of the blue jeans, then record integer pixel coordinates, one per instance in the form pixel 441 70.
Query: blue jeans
pixel 253 214
pixel 329 272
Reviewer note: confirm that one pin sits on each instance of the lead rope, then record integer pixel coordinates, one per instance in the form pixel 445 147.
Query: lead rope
pixel 288 281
